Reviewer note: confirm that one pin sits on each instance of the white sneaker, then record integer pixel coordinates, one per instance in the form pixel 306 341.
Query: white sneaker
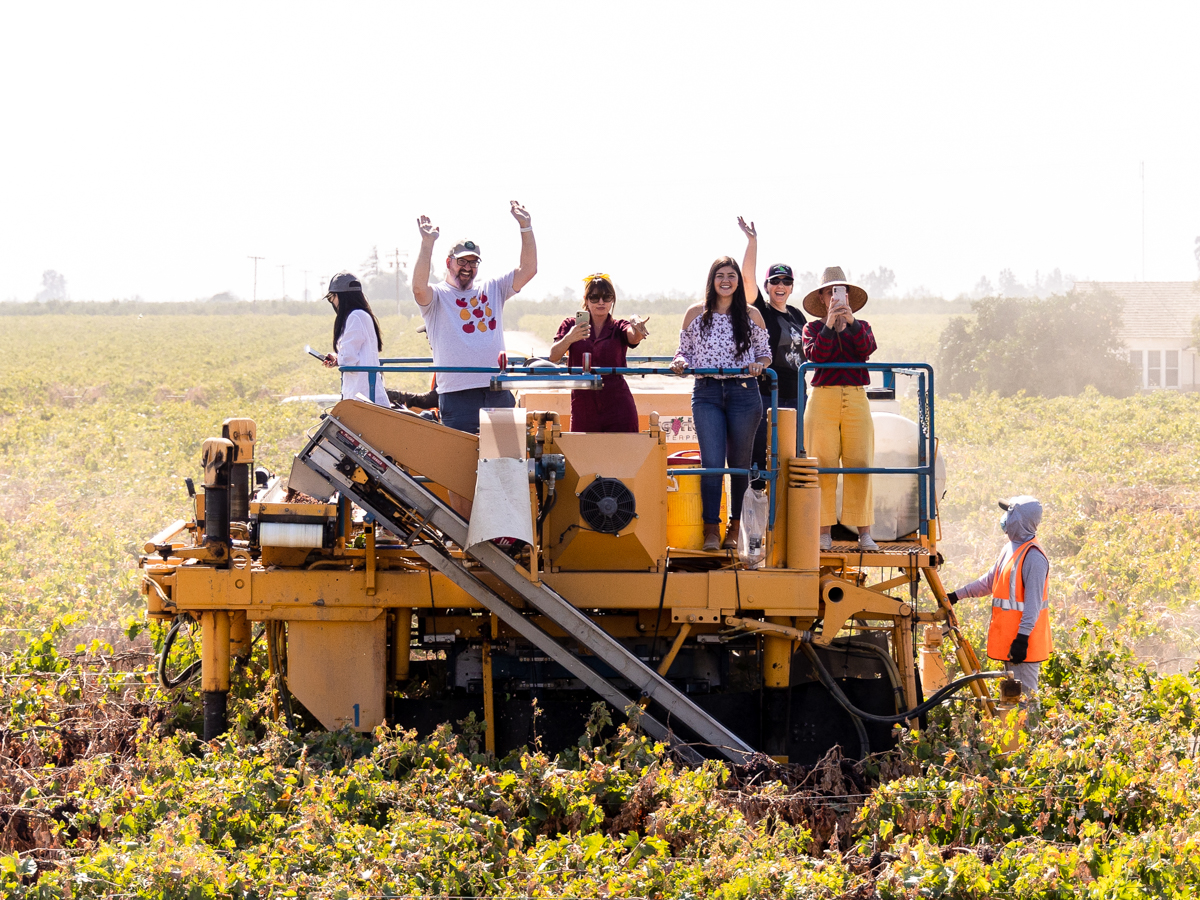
pixel 866 542
pixel 827 542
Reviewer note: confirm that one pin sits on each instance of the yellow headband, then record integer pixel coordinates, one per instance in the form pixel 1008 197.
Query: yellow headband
pixel 588 279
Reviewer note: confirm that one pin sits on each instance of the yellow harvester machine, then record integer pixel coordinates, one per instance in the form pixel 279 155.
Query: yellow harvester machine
pixel 380 602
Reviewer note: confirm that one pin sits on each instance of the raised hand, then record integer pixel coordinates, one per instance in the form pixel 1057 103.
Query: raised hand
pixel 748 230
pixel 427 228
pixel 520 213
pixel 639 325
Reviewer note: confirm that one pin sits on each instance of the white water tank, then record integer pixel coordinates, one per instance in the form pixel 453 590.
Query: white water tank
pixel 897 502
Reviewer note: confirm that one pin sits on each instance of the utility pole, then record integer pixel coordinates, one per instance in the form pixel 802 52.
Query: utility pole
pixel 396 264
pixel 256 259
pixel 305 271
pixel 283 281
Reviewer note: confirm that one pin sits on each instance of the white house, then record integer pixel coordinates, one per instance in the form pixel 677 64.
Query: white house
pixel 1157 324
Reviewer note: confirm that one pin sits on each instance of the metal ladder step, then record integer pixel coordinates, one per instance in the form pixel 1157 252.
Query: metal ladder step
pixel 353 467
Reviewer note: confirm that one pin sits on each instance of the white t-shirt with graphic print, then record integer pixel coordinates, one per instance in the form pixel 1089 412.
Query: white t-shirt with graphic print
pixel 465 328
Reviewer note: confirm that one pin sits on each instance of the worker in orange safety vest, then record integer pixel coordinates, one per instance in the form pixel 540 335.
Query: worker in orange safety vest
pixel 1019 585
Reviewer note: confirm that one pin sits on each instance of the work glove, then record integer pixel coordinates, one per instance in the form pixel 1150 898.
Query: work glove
pixel 1019 649
pixel 952 597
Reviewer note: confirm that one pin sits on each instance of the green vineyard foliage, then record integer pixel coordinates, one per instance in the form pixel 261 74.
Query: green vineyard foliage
pixel 105 790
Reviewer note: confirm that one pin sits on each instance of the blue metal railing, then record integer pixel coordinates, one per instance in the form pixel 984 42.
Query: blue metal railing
pixel 925 468
pixel 574 373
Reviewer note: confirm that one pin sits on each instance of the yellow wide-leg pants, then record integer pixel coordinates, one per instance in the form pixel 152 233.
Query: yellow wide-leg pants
pixel 838 431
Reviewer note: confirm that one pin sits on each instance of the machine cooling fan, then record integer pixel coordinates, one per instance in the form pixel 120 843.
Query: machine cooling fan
pixel 607 506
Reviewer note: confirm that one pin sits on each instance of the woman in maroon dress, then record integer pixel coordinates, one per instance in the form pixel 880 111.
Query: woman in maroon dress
pixel 611 408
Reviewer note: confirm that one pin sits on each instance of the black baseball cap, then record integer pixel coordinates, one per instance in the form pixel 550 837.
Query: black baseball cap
pixel 779 269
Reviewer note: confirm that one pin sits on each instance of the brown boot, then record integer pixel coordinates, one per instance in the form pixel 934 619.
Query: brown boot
pixel 712 537
pixel 731 535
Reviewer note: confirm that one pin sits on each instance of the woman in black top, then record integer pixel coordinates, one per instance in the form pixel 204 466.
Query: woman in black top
pixel 785 325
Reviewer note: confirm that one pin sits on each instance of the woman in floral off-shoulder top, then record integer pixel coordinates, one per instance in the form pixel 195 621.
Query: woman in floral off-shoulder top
pixel 724 332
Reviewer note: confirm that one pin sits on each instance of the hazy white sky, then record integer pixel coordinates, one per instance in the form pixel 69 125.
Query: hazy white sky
pixel 149 149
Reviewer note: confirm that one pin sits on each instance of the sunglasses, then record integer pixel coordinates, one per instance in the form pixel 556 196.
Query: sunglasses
pixel 779 279
pixel 468 263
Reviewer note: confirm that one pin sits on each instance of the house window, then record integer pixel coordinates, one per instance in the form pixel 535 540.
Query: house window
pixel 1138 366
pixel 1171 368
pixel 1153 368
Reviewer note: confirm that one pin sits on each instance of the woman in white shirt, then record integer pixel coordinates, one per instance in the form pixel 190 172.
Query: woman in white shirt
pixel 357 339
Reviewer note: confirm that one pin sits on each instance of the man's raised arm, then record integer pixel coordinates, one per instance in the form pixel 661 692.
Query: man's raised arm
pixel 420 277
pixel 527 268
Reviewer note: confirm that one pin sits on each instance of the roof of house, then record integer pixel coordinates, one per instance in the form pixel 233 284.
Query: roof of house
pixel 1153 309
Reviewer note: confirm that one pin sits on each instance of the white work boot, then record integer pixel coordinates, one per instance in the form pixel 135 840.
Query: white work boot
pixel 827 542
pixel 867 543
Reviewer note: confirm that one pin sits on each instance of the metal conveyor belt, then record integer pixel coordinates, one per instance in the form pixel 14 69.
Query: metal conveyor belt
pixel 351 466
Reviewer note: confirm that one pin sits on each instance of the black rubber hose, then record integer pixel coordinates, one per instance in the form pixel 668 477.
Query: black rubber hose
pixel 864 743
pixel 549 505
pixel 187 674
pixel 921 708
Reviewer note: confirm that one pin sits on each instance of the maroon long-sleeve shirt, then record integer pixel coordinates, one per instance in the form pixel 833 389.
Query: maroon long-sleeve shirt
pixel 855 343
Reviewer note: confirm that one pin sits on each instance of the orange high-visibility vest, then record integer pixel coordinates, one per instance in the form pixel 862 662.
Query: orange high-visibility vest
pixel 1008 607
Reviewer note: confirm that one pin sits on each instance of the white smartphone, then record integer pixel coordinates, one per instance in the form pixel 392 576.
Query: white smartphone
pixel 581 317
pixel 839 295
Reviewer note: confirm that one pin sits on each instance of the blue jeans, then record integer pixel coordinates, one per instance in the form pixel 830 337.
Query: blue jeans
pixel 760 436
pixel 726 412
pixel 460 409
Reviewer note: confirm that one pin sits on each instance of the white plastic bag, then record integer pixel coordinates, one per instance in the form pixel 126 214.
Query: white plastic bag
pixel 752 549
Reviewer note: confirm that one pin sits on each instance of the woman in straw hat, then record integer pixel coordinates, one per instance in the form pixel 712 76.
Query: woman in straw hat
pixel 837 417
pixel 724 332
pixel 610 409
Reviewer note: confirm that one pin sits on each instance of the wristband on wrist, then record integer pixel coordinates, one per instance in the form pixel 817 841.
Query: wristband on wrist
pixel 527 229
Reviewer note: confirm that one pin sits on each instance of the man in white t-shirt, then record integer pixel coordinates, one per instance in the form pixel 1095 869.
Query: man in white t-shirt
pixel 464 323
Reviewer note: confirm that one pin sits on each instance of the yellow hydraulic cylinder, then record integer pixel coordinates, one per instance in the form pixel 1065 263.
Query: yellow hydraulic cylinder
pixel 902 639
pixel 803 515
pixel 370 559
pixel 932 663
pixel 401 651
pixel 777 657
pixel 665 666
pixel 214 651
pixel 239 634
pixel 489 700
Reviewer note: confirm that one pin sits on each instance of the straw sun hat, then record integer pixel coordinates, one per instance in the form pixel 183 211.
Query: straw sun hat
pixel 814 303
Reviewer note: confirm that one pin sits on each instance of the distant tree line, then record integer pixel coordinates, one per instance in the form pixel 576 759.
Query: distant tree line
pixel 220 307
pixel 1049 348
